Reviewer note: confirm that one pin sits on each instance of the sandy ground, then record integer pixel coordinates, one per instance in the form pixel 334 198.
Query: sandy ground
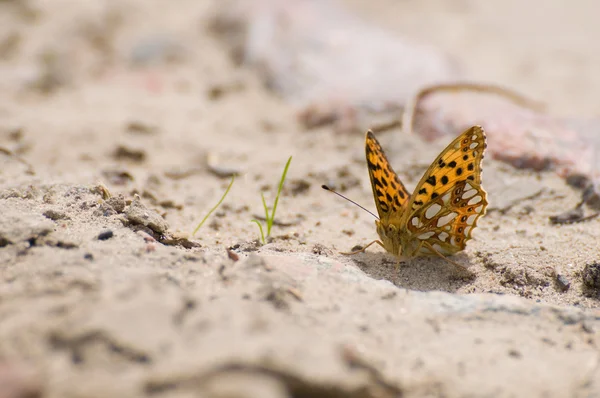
pixel 114 297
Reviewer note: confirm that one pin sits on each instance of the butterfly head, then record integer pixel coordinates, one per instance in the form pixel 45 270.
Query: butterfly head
pixel 389 235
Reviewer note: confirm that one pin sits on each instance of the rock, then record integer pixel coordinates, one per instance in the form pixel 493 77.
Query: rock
pixel 105 235
pixel 19 381
pixel 137 213
pixel 55 215
pixel 19 224
pixel 117 203
pixel 591 275
pixel 563 283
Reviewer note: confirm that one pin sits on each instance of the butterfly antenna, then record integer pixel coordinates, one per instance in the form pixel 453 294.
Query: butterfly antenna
pixel 325 187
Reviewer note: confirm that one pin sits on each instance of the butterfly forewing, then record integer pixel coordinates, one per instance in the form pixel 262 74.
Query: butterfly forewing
pixel 389 192
pixel 449 199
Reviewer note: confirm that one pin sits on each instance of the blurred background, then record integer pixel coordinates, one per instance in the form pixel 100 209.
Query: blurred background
pixel 78 72
pixel 546 49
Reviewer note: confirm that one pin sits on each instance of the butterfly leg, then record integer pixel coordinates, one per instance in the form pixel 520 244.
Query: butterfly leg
pixel 434 250
pixel 364 248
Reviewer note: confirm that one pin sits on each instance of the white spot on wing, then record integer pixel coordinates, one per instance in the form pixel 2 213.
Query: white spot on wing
pixel 474 200
pixel 443 236
pixel 471 219
pixel 432 211
pixel 467 230
pixel 426 235
pixel 469 193
pixel 446 198
pixel 473 137
pixel 474 145
pixel 440 249
pixel 416 222
pixel 446 219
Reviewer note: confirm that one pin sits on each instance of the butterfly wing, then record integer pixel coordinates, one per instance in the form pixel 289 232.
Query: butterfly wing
pixel 389 192
pixel 449 199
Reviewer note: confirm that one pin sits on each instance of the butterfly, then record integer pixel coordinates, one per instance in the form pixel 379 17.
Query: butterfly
pixel 440 215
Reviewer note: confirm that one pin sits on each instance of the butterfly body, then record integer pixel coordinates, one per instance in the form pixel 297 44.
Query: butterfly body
pixel 438 218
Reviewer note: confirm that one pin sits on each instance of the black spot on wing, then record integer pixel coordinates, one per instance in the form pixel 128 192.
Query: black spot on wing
pixel 431 180
pixel 373 166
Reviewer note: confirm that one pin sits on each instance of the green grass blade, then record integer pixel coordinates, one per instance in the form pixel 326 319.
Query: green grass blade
pixel 262 235
pixel 264 202
pixel 285 170
pixel 216 206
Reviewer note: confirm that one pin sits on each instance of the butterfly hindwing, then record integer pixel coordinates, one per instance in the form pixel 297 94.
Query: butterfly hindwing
pixel 389 192
pixel 449 199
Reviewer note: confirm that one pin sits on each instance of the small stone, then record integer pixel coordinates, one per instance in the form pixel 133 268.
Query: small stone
pixel 105 235
pixel 117 203
pixel 88 256
pixel 568 217
pixel 232 255
pixel 104 210
pixel 356 248
pixel 515 354
pixel 591 275
pixel 55 215
pixel 320 249
pixel 123 152
pixel 563 283
pixel 578 180
pixel 137 213
pixel 139 127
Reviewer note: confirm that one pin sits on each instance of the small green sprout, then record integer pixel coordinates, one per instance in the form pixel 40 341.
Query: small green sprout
pixel 216 206
pixel 270 218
